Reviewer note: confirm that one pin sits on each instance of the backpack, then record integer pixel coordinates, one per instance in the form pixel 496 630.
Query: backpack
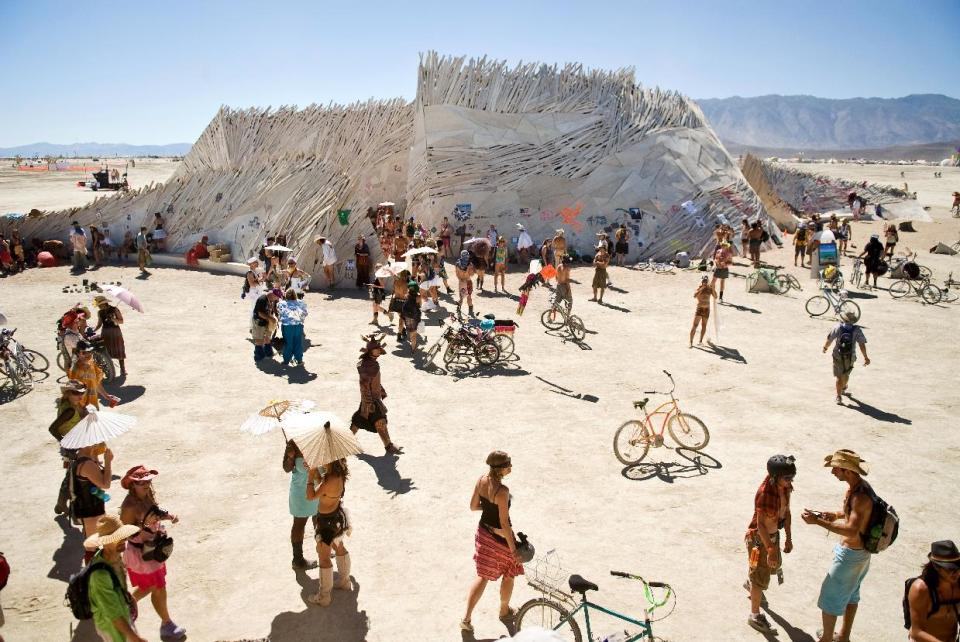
pixel 765 237
pixel 884 524
pixel 934 603
pixel 845 342
pixel 78 590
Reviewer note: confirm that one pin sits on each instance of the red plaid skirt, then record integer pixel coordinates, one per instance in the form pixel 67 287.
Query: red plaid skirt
pixel 493 558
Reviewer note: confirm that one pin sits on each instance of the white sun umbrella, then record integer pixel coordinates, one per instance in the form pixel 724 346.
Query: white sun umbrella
pixel 278 248
pixel 274 415
pixel 386 204
pixel 97 427
pixel 325 443
pixel 389 270
pixel 479 239
pixel 419 250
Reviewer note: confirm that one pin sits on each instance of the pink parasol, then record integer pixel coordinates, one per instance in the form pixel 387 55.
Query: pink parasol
pixel 124 295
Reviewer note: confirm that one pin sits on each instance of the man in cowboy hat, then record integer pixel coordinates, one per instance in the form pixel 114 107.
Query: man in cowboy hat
pixel 524 243
pixel 846 337
pixel 840 591
pixel 933 597
pixel 329 260
pixel 109 603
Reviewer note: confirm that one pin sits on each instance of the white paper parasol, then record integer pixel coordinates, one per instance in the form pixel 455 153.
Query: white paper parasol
pixel 386 204
pixel 419 250
pixel 387 271
pixel 326 444
pixel 97 427
pixel 479 239
pixel 274 415
pixel 278 248
pixel 124 295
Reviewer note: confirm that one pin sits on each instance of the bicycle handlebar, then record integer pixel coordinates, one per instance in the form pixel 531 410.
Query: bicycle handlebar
pixel 668 374
pixel 631 576
pixel 650 392
pixel 620 574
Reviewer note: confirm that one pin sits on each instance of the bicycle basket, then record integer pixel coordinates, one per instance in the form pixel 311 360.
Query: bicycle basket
pixel 547 575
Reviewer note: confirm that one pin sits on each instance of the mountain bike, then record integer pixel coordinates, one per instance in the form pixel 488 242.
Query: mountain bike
pixel 946 292
pixel 922 288
pixel 555 611
pixel 19 363
pixel 633 439
pixel 561 308
pixel 832 299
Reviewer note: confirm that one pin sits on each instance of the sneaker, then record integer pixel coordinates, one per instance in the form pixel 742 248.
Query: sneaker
pixel 759 623
pixel 170 632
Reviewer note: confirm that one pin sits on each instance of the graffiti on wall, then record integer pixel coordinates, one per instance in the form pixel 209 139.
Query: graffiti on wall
pixel 462 211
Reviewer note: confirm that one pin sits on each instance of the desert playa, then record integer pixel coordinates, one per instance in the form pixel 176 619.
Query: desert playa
pixel 679 516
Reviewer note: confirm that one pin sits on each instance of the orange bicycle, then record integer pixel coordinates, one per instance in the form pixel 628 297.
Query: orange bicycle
pixel 634 438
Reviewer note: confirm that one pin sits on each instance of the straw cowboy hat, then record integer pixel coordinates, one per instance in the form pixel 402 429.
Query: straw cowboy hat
pixel 110 530
pixel 100 300
pixel 138 473
pixel 849 316
pixel 847 460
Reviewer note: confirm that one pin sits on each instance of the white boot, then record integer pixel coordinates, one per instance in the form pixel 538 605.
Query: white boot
pixel 343 573
pixel 322 598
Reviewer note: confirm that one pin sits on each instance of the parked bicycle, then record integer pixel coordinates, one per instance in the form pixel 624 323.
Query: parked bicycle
pixel 558 316
pixel 633 439
pixel 856 272
pixel 655 266
pixel 776 282
pixel 20 364
pixel 830 299
pixel 464 340
pixel 922 289
pixel 100 356
pixel 906 266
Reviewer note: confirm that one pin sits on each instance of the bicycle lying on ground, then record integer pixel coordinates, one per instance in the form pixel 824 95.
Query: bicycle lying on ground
pixel 832 299
pixel 561 308
pixel 922 288
pixel 907 264
pixel 556 610
pixel 19 363
pixel 633 439
pixel 947 295
pixel 776 282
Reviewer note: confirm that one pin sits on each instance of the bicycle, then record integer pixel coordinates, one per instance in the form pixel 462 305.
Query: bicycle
pixel 829 298
pixel 633 438
pixel 947 295
pixel 100 356
pixel 856 275
pixel 922 288
pixel 464 341
pixel 19 363
pixel 655 266
pixel 561 307
pixel 776 282
pixel 556 609
pixel 906 263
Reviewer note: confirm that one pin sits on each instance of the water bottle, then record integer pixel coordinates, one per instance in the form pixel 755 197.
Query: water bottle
pixel 99 494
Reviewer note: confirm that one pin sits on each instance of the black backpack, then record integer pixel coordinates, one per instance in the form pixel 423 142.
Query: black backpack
pixel 934 604
pixel 884 524
pixel 78 590
pixel 845 342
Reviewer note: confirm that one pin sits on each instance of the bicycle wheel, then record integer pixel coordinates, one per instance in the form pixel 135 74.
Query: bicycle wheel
pixel 548 615
pixel 664 268
pixel 925 272
pixel 559 319
pixel 783 284
pixel 817 305
pixel 62 361
pixel 931 294
pixel 487 352
pixel 450 353
pixel 794 283
pixel 37 362
pixel 10 369
pixel 900 289
pixel 505 343
pixel 849 306
pixel 577 331
pixel 948 296
pixel 688 431
pixel 433 351
pixel 106 364
pixel 752 281
pixel 631 442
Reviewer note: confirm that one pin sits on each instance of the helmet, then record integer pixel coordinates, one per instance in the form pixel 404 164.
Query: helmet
pixel 781 465
pixel 525 549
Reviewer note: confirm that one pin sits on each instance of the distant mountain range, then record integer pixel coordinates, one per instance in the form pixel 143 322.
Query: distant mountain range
pixel 87 150
pixel 807 122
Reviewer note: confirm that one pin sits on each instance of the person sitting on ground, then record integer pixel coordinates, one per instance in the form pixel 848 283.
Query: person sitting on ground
pixel 932 599
pixel 200 249
pixel 702 295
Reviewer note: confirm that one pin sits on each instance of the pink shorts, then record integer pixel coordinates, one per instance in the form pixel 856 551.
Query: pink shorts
pixel 145 582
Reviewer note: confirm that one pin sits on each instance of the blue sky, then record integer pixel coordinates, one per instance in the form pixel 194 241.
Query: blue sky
pixel 140 72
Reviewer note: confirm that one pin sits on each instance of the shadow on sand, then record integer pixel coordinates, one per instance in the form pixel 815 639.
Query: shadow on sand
pixel 68 559
pixel 876 413
pixel 566 392
pixel 388 477
pixel 342 616
pixel 695 464
pixel 725 354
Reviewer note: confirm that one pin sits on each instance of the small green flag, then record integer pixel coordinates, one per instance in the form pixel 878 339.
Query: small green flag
pixel 343 216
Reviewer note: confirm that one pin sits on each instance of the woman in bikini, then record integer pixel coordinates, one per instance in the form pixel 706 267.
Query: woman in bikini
pixel 496 554
pixel 330 524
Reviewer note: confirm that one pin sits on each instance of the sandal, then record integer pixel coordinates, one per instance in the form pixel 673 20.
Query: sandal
pixel 510 621
pixel 466 626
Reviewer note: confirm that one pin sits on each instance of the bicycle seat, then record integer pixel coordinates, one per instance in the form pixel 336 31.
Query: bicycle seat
pixel 641 404
pixel 580 585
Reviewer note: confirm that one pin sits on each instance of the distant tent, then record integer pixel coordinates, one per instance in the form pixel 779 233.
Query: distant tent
pixel 940 248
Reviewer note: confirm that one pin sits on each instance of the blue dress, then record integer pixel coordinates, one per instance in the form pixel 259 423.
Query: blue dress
pixel 300 506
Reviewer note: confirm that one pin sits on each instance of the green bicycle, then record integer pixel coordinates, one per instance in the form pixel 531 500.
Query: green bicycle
pixel 553 610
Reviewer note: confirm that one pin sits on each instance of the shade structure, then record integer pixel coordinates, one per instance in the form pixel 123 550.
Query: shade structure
pixel 274 414
pixel 97 427
pixel 124 295
pixel 327 444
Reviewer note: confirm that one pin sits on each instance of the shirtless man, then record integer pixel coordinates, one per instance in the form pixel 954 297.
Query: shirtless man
pixel 464 280
pixel 702 295
pixel 564 293
pixel 722 259
pixel 933 597
pixel 771 512
pixel 840 591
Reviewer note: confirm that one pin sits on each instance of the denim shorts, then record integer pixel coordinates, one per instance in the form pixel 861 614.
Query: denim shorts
pixel 841 586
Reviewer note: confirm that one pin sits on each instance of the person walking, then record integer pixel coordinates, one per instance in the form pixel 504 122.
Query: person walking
pixel 756 239
pixel 891 236
pixel 377 295
pixel 89 478
pixel 745 237
pixel 110 602
pixel 411 314
pixel 771 513
pixel 78 241
pixel 495 555
pixel 446 232
pixel 329 260
pixel 86 371
pixel 465 271
pixel 301 508
pixel 600 262
pixel 70 410
pixel 500 264
pixel 872 256
pixel 372 413
pixel 361 252
pixel 845 337
pixel 800 245
pixel 932 600
pixel 524 245
pixel 843 236
pixel 265 323
pixel 702 314
pixel 110 319
pixel 143 250
pixel 148 576
pixel 622 243
pixel 722 258
pixel 292 312
pixel 840 591
pixel 330 524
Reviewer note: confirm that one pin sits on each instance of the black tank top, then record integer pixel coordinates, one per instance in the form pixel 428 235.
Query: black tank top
pixel 84 503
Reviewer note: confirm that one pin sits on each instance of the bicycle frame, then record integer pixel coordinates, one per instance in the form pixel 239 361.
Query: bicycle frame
pixel 585 605
pixel 674 409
